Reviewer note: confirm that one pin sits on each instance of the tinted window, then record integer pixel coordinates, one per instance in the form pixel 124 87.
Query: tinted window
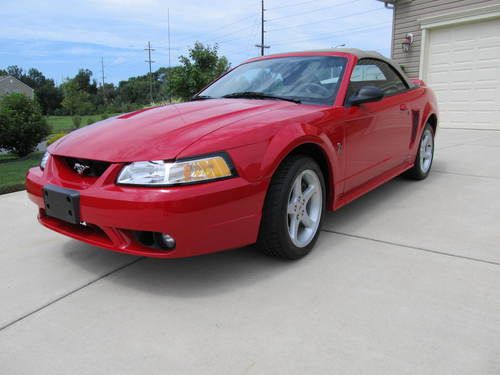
pixel 310 79
pixel 369 72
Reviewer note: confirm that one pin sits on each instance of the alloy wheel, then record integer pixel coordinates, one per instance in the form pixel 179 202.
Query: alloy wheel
pixel 304 210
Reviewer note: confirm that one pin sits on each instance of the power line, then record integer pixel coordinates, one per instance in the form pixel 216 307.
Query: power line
pixel 149 49
pixel 169 74
pixel 262 45
pixel 102 77
pixel 304 24
pixel 250 38
pixel 294 4
pixel 315 10
pixel 232 32
pixel 223 28
pixel 335 34
pixel 329 19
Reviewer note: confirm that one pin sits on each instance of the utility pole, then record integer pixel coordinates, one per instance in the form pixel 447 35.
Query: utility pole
pixel 102 76
pixel 262 45
pixel 169 63
pixel 149 49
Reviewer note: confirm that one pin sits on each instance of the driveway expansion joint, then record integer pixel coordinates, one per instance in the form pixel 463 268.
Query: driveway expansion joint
pixel 466 175
pixel 438 252
pixel 21 318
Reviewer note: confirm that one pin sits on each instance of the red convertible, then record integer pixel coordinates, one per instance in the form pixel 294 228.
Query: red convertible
pixel 258 156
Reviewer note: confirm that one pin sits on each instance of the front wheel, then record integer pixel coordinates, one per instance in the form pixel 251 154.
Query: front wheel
pixel 294 209
pixel 425 156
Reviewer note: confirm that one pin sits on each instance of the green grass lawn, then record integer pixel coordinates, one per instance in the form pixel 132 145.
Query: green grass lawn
pixel 64 124
pixel 13 171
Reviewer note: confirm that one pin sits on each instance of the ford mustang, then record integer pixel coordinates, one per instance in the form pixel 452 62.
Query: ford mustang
pixel 258 156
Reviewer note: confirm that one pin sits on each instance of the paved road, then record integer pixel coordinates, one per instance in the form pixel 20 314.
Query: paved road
pixel 404 281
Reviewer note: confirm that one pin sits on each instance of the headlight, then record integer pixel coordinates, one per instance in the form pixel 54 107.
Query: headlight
pixel 44 160
pixel 160 173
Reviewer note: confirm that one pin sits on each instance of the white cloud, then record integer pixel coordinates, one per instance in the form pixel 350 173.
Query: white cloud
pixel 234 24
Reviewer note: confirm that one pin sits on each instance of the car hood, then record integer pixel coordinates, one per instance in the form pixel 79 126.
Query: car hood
pixel 158 133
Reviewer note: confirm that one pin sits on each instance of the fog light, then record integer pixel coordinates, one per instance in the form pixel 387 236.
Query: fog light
pixel 166 241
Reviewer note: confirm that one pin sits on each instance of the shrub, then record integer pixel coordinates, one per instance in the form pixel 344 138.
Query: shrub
pixel 77 121
pixel 90 121
pixel 104 116
pixel 22 126
pixel 54 137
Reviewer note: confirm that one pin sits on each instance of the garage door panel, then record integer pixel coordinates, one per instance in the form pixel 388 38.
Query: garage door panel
pixel 463 68
pixel 440 57
pixel 463 56
pixel 440 77
pixel 489 53
pixel 486 95
pixel 461 77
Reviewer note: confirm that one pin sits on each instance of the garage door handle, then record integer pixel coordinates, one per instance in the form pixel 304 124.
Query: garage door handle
pixel 403 107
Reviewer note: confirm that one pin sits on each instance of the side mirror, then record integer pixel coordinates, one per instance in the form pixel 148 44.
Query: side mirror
pixel 366 94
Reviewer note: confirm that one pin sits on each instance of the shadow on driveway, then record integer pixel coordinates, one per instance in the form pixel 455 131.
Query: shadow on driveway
pixel 222 272
pixel 200 276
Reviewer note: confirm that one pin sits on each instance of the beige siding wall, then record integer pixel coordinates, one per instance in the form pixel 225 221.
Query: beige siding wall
pixel 407 14
pixel 10 85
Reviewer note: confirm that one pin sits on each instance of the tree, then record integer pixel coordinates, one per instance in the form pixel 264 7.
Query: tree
pixel 49 97
pixel 136 90
pixel 16 71
pixel 84 82
pixel 76 101
pixel 34 78
pixel 22 126
pixel 196 71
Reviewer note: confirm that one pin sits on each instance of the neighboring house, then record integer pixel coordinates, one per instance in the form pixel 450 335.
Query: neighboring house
pixel 454 47
pixel 9 84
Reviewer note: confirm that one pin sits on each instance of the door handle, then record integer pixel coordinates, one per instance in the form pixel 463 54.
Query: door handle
pixel 403 107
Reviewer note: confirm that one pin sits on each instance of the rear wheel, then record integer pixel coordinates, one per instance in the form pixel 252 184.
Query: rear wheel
pixel 294 209
pixel 425 156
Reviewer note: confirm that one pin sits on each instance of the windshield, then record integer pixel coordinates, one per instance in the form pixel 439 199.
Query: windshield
pixel 307 79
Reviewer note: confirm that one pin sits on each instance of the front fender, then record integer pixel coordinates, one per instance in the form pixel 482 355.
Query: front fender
pixel 292 137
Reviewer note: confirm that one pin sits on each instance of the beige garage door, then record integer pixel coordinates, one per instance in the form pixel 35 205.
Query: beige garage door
pixel 462 65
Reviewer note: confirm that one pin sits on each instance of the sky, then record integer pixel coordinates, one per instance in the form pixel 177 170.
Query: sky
pixel 60 37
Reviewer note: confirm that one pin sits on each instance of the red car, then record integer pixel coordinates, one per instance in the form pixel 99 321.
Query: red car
pixel 256 157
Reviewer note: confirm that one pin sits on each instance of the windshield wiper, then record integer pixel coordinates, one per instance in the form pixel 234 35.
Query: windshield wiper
pixel 202 97
pixel 258 95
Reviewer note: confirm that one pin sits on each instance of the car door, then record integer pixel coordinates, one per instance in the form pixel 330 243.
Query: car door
pixel 377 134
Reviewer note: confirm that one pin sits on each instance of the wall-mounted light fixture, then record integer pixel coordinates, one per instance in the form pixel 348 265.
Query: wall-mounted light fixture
pixel 407 42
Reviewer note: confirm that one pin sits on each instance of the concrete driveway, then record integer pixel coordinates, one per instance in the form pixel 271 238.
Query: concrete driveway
pixel 405 280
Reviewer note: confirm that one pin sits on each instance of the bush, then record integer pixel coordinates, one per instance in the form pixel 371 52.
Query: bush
pixel 104 116
pixel 77 121
pixel 54 137
pixel 90 121
pixel 22 126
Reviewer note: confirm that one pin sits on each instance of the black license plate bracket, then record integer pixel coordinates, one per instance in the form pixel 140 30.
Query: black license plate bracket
pixel 61 203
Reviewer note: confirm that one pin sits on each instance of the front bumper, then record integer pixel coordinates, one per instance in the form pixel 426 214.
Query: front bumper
pixel 201 218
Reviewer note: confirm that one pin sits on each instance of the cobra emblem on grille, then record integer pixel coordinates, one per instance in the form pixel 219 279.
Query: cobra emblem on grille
pixel 80 168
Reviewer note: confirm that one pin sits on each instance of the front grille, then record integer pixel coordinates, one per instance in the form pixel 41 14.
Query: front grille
pixel 87 168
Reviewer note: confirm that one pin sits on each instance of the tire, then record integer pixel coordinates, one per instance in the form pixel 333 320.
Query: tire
pixel 422 166
pixel 290 205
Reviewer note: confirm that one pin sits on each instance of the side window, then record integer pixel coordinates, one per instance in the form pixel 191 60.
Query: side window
pixel 370 72
pixel 367 73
